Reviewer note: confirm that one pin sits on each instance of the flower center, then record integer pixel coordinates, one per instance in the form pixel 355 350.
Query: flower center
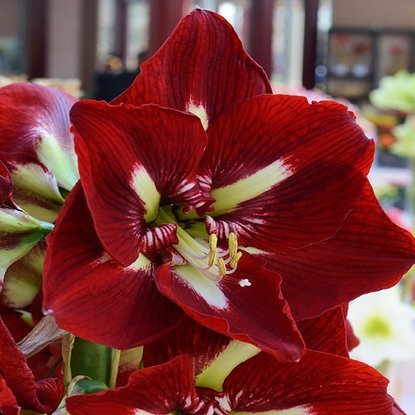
pixel 203 252
pixel 377 327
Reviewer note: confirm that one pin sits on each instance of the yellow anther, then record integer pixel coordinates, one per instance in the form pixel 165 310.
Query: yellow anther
pixel 232 244
pixel 222 267
pixel 213 242
pixel 235 259
pixel 212 257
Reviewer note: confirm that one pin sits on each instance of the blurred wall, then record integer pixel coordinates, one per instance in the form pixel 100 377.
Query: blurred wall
pixel 374 13
pixel 9 18
pixel 64 38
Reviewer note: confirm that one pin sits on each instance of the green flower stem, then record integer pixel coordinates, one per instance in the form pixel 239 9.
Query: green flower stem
pixel 116 356
pixel 92 360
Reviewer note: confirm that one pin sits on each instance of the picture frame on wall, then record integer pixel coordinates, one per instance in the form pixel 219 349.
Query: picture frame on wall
pixel 350 63
pixel 359 57
pixel 394 52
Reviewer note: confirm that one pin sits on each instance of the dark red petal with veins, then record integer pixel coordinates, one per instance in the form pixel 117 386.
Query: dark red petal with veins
pixel 202 67
pixel 155 390
pixel 320 384
pixel 256 314
pixel 93 296
pixel 190 338
pixel 8 403
pixel 12 319
pixel 352 340
pixel 42 396
pixel 35 120
pixel 326 333
pixel 284 173
pixel 131 160
pixel 368 253
pixel 6 184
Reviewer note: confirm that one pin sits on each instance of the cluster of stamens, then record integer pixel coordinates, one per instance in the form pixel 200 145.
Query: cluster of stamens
pixel 225 260
pixel 215 262
pixel 233 254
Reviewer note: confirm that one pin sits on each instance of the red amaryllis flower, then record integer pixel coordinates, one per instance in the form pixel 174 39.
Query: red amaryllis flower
pixel 366 254
pixel 167 201
pixel 232 376
pixel 18 385
pixel 37 148
pixel 203 69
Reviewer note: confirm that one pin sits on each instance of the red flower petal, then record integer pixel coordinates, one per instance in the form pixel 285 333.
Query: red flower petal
pixel 34 120
pixel 368 253
pixel 320 384
pixel 43 396
pixel 201 68
pixel 8 403
pixel 214 355
pixel 6 184
pixel 12 319
pixel 256 314
pixel 156 390
pixel 351 339
pixel 326 333
pixel 91 294
pixel 284 173
pixel 189 338
pixel 130 160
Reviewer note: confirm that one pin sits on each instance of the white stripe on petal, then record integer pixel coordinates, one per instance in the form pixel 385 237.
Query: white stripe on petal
pixel 146 189
pixel 235 353
pixel 142 262
pixel 203 286
pixel 199 111
pixel 229 197
pixel 62 162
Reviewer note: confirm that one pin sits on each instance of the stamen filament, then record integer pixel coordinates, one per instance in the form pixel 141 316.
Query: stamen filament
pixel 194 254
pixel 221 267
pixel 222 254
pixel 212 257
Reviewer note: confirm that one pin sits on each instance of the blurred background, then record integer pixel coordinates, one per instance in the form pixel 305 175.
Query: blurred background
pixel 361 52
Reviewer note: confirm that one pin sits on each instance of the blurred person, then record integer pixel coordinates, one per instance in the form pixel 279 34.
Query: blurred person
pixel 113 80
